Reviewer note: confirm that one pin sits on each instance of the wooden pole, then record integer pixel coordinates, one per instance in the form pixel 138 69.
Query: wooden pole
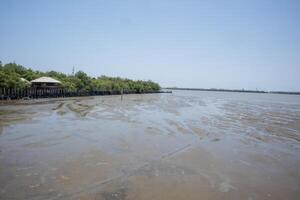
pixel 122 94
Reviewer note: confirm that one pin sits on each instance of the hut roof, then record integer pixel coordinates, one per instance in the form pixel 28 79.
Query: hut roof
pixel 24 80
pixel 45 79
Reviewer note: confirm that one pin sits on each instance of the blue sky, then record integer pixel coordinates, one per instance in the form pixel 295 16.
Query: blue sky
pixel 208 44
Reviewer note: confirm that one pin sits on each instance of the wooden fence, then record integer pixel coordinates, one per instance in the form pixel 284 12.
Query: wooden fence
pixel 34 93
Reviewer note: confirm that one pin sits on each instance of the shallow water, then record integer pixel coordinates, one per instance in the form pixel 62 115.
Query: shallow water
pixel 185 145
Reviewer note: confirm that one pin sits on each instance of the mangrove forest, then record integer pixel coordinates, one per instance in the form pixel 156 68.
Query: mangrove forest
pixel 16 76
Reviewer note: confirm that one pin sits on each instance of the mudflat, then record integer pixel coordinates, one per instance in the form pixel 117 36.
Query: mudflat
pixel 185 145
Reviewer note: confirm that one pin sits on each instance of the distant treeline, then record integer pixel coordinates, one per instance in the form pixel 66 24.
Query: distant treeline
pixel 11 75
pixel 228 90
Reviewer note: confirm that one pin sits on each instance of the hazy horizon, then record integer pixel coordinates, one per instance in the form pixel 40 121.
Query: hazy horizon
pixel 195 44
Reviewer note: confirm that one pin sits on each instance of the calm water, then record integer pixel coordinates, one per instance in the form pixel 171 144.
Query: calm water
pixel 185 145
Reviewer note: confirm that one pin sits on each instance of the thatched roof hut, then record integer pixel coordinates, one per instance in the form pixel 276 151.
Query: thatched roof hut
pixel 45 82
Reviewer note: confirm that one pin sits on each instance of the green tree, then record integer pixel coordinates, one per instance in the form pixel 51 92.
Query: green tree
pixel 11 74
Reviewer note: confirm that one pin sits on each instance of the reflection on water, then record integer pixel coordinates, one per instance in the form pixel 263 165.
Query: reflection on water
pixel 185 145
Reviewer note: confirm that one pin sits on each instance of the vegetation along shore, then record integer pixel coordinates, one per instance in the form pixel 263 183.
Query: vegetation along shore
pixel 228 90
pixel 18 80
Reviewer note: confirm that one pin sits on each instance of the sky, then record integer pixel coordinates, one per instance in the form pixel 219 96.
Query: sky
pixel 232 44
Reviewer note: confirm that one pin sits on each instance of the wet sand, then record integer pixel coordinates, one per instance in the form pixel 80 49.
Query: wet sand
pixel 185 145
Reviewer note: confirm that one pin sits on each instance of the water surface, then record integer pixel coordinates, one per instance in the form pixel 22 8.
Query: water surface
pixel 185 145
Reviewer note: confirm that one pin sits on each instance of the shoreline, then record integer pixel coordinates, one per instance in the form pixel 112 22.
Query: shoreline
pixel 238 91
pixel 42 100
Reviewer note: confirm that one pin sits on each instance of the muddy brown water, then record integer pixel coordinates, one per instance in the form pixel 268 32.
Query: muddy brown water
pixel 185 145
